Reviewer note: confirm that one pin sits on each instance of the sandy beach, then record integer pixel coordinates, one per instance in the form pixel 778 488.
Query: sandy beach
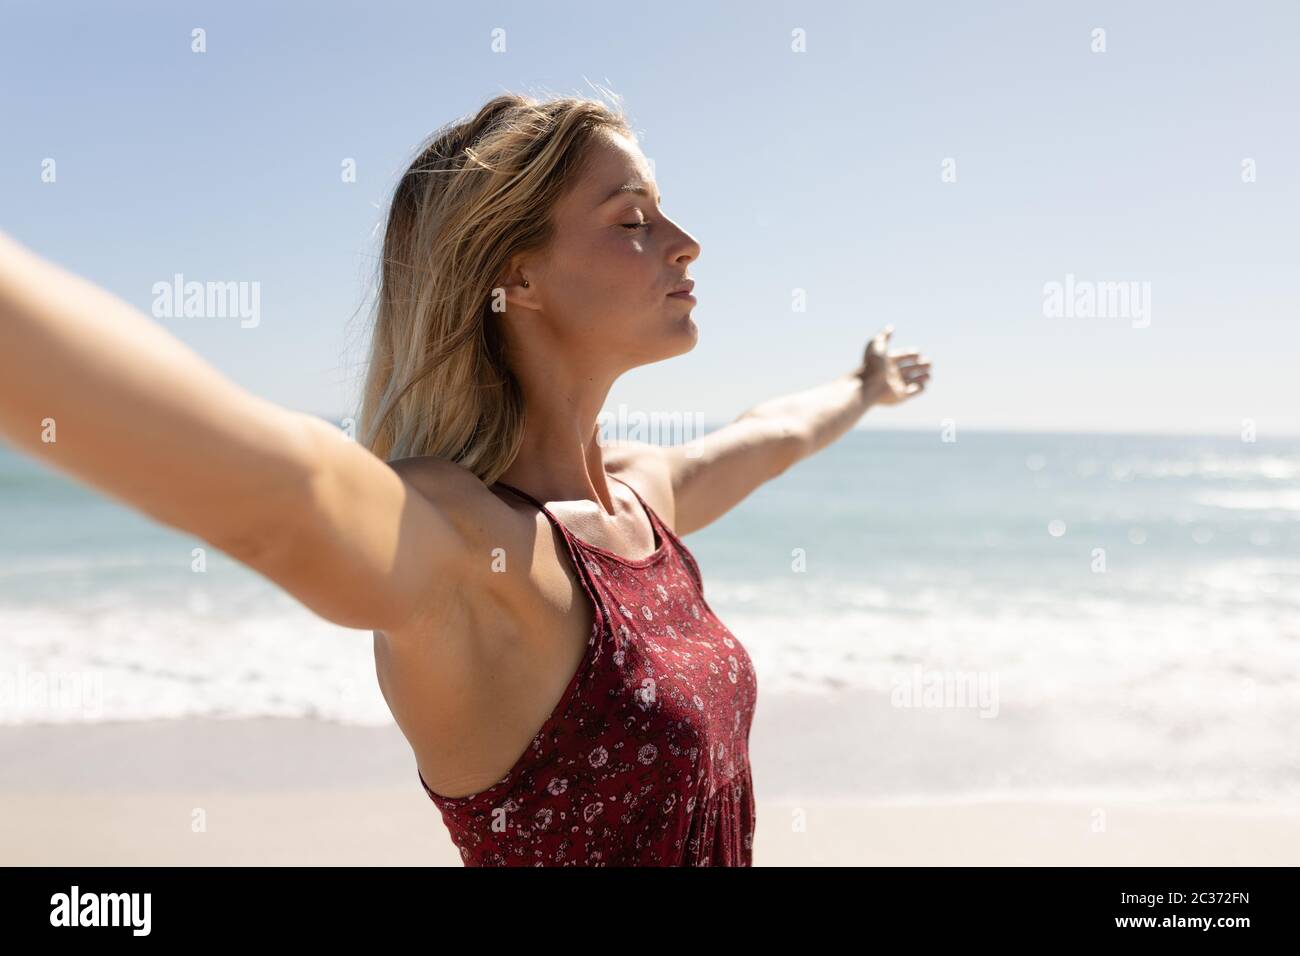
pixel 304 792
pixel 386 826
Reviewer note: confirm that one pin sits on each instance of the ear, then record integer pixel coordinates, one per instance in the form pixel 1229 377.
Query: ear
pixel 517 288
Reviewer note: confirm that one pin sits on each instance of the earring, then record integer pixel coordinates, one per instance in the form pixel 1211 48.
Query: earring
pixel 525 283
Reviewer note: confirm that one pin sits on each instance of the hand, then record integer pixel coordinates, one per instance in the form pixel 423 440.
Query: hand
pixel 890 379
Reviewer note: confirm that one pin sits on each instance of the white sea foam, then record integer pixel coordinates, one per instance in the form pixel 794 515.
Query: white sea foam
pixel 137 663
pixel 67 564
pixel 1283 499
pixel 1244 468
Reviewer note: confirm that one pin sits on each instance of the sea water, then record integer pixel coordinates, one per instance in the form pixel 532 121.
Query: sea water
pixel 1127 606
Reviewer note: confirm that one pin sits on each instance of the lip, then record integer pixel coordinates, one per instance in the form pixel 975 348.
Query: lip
pixel 683 290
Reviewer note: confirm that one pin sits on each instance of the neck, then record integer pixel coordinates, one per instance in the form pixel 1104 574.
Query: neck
pixel 560 458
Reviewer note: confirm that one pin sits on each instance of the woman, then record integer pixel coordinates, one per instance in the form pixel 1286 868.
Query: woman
pixel 569 695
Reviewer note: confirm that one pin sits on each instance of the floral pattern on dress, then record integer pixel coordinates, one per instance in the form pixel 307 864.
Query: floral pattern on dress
pixel 644 761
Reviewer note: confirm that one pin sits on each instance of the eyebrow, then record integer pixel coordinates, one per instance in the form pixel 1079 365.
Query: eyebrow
pixel 629 188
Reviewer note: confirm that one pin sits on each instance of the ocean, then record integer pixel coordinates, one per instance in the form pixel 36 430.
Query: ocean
pixel 1124 608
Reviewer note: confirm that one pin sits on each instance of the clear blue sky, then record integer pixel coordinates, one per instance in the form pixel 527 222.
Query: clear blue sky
pixel 817 170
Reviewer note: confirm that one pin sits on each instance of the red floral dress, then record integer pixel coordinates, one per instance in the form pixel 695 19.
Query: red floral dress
pixel 645 759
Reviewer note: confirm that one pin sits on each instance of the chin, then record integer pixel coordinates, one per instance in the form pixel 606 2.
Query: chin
pixel 679 338
pixel 689 332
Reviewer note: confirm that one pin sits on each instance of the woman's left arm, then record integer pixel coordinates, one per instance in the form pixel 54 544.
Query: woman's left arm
pixel 824 413
pixel 717 472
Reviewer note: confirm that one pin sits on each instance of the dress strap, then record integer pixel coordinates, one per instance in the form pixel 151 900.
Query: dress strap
pixel 521 494
pixel 575 554
pixel 657 527
pixel 669 537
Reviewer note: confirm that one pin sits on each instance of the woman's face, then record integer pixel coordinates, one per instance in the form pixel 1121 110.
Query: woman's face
pixel 604 284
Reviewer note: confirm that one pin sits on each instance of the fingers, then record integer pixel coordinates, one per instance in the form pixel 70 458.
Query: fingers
pixel 916 372
pixel 911 367
pixel 915 376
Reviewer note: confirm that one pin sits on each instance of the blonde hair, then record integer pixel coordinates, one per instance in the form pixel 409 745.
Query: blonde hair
pixel 480 191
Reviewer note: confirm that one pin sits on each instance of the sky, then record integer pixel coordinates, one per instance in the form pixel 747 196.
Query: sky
pixel 937 166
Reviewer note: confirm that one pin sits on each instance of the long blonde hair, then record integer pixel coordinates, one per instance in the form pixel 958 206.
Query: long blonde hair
pixel 479 191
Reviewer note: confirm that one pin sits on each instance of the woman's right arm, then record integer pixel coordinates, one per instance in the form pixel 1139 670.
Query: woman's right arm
pixel 139 416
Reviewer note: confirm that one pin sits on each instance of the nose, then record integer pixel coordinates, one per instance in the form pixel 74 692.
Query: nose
pixel 687 248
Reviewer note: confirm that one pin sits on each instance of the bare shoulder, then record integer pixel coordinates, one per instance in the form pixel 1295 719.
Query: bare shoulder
pixel 457 493
pixel 706 478
pixel 441 481
pixel 646 468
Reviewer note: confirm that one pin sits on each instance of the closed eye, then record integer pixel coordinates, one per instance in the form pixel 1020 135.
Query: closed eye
pixel 634 225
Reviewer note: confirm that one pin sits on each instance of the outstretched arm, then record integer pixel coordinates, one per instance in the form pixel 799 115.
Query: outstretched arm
pixel 94 388
pixel 712 475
